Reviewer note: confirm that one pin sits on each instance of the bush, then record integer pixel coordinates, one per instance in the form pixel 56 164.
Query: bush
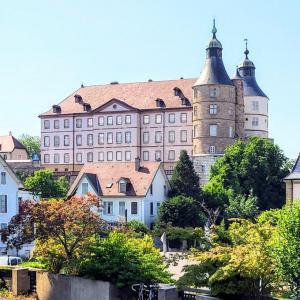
pixel 138 227
pixel 124 261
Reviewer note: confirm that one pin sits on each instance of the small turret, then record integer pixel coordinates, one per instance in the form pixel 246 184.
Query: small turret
pixel 247 71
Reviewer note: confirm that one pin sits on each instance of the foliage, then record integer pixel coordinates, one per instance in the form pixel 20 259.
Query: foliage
pixel 43 184
pixel 138 227
pixel 124 260
pixel 241 206
pixel 32 144
pixel 215 194
pixel 255 165
pixel 287 246
pixel 61 228
pixel 184 181
pixel 240 264
pixel 180 211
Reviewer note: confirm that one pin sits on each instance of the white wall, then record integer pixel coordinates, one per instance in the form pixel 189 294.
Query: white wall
pixel 143 203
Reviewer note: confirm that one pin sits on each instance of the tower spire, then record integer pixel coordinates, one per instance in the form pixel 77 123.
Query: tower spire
pixel 214 29
pixel 246 51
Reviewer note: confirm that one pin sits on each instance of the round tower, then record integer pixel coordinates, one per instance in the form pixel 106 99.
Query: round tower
pixel 256 101
pixel 214 110
pixel 213 104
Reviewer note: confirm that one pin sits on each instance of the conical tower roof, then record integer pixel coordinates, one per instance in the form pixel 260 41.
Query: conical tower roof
pixel 214 71
pixel 247 71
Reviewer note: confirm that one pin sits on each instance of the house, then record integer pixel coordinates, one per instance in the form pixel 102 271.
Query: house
pixel 11 193
pixel 292 183
pixel 128 190
pixel 12 149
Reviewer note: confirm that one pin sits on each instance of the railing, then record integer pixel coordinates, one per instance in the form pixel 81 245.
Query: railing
pixel 32 276
pixel 185 295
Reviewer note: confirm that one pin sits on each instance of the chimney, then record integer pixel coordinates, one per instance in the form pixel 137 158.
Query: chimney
pixel 137 163
pixel 10 133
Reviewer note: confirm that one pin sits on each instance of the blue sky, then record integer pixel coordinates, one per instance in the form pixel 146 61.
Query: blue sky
pixel 48 48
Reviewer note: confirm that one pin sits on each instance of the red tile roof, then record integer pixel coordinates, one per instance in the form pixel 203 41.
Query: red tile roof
pixel 141 95
pixel 8 143
pixel 101 175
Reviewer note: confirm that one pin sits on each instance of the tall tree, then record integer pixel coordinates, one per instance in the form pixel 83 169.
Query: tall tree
pixel 32 144
pixel 287 246
pixel 254 166
pixel 184 181
pixel 44 184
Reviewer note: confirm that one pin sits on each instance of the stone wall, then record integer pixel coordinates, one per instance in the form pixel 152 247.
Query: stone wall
pixel 54 287
pixel 202 165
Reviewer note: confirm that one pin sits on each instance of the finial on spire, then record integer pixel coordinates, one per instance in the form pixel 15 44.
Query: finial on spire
pixel 246 51
pixel 214 30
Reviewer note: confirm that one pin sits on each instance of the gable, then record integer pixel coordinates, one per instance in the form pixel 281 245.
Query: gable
pixel 115 105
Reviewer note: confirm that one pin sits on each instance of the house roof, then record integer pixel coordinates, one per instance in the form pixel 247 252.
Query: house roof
pixel 140 95
pixel 104 178
pixel 295 174
pixel 11 173
pixel 9 143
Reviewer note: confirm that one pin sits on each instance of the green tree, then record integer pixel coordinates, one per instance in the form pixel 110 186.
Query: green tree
pixel 124 260
pixel 32 144
pixel 287 246
pixel 241 206
pixel 44 184
pixel 184 181
pixel 239 261
pixel 255 165
pixel 180 211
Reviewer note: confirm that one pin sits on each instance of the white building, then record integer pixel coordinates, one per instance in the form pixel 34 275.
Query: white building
pixel 11 193
pixel 128 190
pixel 292 183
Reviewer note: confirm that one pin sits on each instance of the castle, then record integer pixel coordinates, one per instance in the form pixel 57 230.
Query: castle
pixel 155 120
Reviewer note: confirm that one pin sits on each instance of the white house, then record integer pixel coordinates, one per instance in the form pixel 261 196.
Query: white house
pixel 11 193
pixel 128 190
pixel 292 183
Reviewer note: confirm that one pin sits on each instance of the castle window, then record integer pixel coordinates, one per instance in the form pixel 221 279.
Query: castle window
pixel 183 135
pixel 79 157
pixel 127 137
pixel 119 155
pixel 78 123
pixel 195 111
pixel 56 158
pixel 46 141
pixel 101 121
pixel 46 158
pixel 158 155
pixel 255 121
pixel 213 92
pixel 66 140
pixel 146 119
pixel 158 137
pixel 145 155
pixel 171 155
pixel 101 156
pixel 128 119
pixel 90 122
pixel 56 124
pixel 89 156
pixel 66 158
pixel 171 136
pixel 212 149
pixel 101 138
pixel 231 133
pixel 78 140
pixel 255 106
pixel 158 119
pixel 146 137
pixel 46 124
pixel 56 141
pixel 213 130
pixel 119 120
pixel 66 123
pixel 127 155
pixel 90 140
pixel 183 117
pixel 213 109
pixel 119 137
pixel 110 120
pixel 109 155
pixel 171 118
pixel 109 138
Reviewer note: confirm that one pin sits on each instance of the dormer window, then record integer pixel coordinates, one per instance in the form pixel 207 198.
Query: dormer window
pixel 78 99
pixel 177 91
pixel 86 107
pixel 123 182
pixel 56 109
pixel 160 103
